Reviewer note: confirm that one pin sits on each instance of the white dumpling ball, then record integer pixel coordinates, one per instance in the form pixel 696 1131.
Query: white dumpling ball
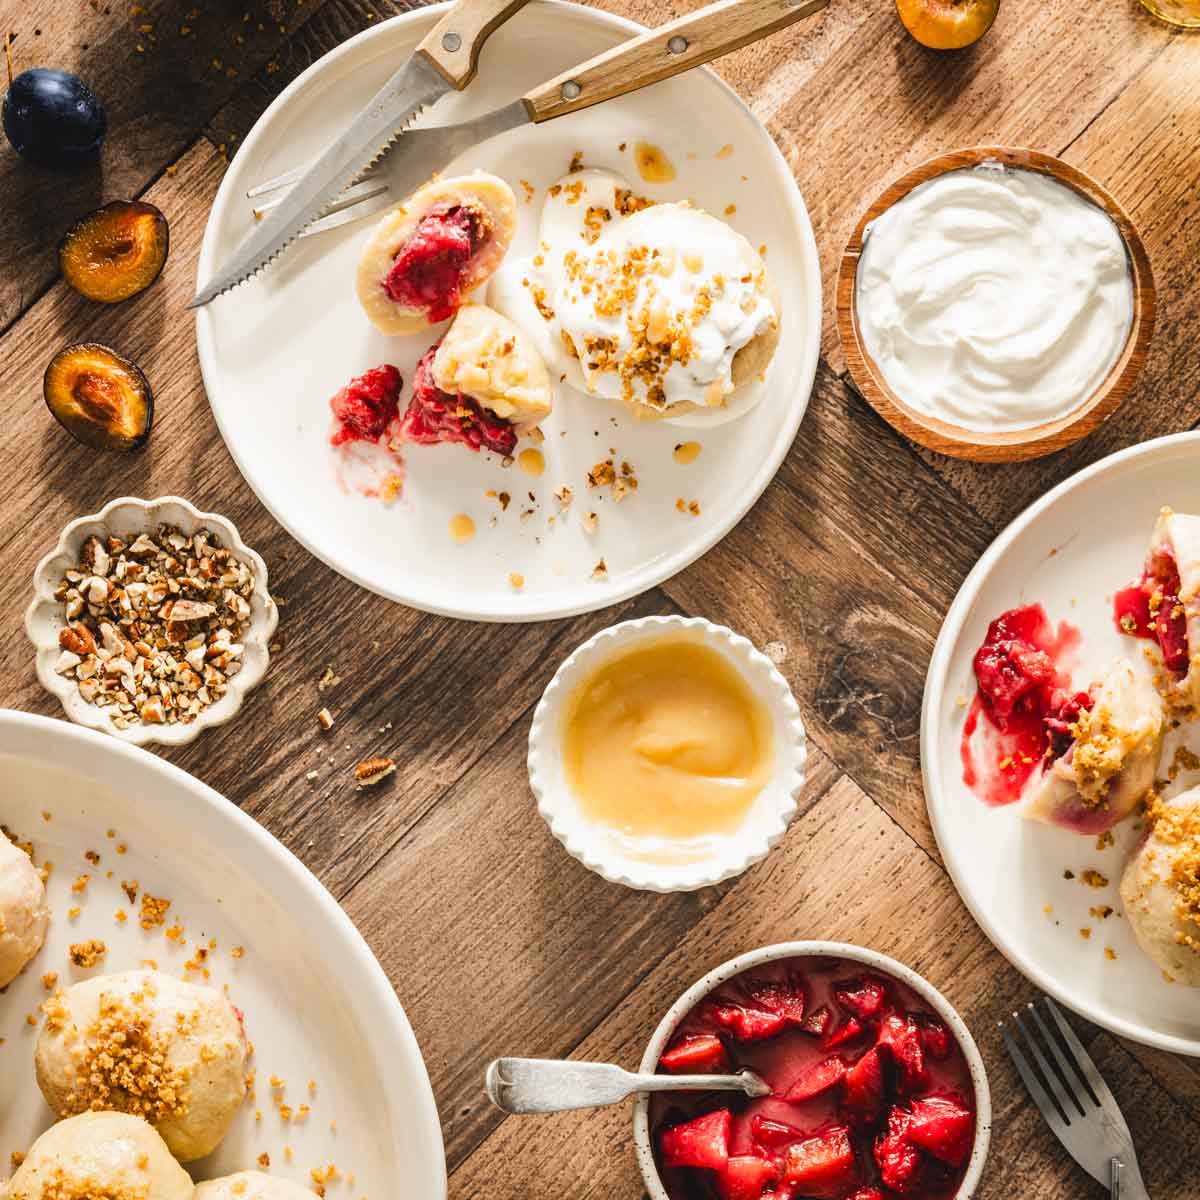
pixel 251 1185
pixel 145 1043
pixel 24 916
pixel 1161 888
pixel 99 1154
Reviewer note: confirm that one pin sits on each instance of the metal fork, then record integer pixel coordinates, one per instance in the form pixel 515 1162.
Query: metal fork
pixel 1074 1099
pixel 370 194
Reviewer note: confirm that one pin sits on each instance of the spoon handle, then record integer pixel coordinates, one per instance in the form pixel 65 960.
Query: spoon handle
pixel 536 1085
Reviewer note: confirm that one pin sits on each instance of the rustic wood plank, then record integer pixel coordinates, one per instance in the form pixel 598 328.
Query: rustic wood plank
pixel 159 84
pixel 500 943
pixel 1137 149
pixel 803 891
pixel 849 561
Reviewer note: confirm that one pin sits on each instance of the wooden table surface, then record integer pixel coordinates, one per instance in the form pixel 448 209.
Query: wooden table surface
pixel 496 940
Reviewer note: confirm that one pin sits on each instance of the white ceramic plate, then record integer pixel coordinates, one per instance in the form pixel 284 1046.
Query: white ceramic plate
pixel 1070 552
pixel 318 1006
pixel 275 350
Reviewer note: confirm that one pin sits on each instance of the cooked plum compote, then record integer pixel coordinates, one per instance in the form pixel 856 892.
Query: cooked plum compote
pixel 366 406
pixel 1151 609
pixel 1024 697
pixel 428 271
pixel 871 1093
pixel 436 416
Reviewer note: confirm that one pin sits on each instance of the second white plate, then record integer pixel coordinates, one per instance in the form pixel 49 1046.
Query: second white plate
pixel 275 350
pixel 1069 552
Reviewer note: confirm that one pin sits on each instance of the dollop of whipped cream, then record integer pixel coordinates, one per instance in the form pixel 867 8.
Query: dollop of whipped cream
pixel 642 303
pixel 994 299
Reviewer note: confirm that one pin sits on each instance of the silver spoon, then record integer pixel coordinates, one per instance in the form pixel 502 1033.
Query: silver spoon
pixel 545 1085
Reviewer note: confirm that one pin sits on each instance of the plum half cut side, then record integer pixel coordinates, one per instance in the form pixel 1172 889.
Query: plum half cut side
pixel 99 397
pixel 115 252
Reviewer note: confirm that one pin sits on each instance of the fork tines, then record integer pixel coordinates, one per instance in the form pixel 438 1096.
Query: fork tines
pixel 1064 1084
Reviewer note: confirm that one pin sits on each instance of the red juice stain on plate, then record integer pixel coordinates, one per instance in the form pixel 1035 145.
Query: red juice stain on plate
pixel 1023 702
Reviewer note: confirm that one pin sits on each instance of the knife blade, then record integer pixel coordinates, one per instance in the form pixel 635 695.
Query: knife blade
pixel 413 87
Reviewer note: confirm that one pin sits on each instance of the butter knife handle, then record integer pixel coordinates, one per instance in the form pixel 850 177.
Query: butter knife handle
pixel 668 50
pixel 453 45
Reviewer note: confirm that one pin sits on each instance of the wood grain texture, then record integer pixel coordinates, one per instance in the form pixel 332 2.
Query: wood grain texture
pixel 495 939
pixel 1038 440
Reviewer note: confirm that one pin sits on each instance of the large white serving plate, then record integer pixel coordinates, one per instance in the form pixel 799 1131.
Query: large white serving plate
pixel 317 1005
pixel 275 350
pixel 1070 552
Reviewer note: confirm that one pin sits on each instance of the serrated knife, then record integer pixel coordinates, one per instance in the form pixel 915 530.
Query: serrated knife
pixel 650 57
pixel 445 60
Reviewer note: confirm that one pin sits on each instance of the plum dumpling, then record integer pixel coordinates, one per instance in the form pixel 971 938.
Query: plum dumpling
pixel 98 1156
pixel 23 912
pixel 251 1185
pixel 1161 887
pixel 1163 606
pixel 1106 756
pixel 145 1043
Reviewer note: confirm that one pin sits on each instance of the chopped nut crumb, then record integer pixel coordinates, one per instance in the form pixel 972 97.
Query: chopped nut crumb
pixel 88 954
pixel 371 771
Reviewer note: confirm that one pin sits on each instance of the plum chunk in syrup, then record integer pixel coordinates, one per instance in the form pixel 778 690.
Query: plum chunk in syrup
pixel 871 1093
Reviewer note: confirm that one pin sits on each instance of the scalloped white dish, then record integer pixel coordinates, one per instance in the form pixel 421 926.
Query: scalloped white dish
pixel 1070 551
pixel 126 517
pixel 767 820
pixel 277 348
pixel 317 1005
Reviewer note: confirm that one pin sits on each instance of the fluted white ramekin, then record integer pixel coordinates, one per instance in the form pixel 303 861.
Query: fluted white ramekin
pixel 593 846
pixel 126 517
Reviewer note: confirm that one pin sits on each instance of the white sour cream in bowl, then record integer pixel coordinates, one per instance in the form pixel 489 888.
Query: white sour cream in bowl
pixel 994 299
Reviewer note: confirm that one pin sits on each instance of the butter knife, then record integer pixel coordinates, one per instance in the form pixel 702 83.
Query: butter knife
pixel 445 60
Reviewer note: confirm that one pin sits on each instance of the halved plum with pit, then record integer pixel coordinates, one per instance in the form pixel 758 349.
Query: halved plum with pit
pixel 99 397
pixel 435 416
pixel 427 274
pixel 115 252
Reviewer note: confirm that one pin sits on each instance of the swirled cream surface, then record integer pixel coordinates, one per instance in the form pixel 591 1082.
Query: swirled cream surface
pixel 994 299
pixel 645 304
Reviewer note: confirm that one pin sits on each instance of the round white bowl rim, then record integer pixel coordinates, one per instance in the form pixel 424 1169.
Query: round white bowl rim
pixel 41 611
pixel 787 781
pixel 935 686
pixel 28 735
pixel 874 959
pixel 651 574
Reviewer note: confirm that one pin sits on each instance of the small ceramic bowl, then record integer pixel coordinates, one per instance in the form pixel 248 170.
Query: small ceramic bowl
pixel 126 517
pixel 590 844
pixel 869 958
pixel 1015 445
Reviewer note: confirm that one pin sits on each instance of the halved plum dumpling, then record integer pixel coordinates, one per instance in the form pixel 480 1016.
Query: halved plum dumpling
pixel 480 385
pixel 1109 762
pixel 427 255
pixel 1164 604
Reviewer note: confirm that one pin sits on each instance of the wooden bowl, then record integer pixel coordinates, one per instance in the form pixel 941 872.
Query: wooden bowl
pixel 1020 444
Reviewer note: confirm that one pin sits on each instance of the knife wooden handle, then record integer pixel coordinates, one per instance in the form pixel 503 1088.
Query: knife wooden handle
pixel 668 50
pixel 453 45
